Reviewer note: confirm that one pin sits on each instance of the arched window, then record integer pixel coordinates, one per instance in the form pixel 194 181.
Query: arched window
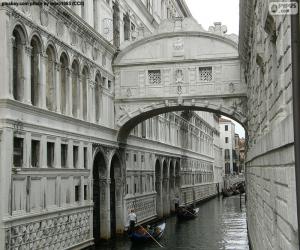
pixel 64 65
pixel 97 97
pixel 18 63
pixel 84 92
pixel 50 76
pixel 75 88
pixel 35 69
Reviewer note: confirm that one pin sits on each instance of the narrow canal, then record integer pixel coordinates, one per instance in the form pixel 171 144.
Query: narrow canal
pixel 221 224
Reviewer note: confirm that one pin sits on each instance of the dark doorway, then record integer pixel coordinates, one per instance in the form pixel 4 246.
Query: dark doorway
pixel 112 202
pixel 115 195
pixel 99 164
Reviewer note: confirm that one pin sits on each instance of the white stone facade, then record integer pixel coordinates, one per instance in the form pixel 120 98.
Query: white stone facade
pixel 265 47
pixel 64 181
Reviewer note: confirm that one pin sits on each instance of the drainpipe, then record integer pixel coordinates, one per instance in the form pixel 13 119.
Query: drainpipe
pixel 296 105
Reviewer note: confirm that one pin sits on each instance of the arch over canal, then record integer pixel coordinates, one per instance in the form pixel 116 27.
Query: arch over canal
pixel 182 67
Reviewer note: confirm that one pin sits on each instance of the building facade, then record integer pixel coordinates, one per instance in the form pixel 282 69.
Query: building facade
pixel 265 49
pixel 64 180
pixel 227 137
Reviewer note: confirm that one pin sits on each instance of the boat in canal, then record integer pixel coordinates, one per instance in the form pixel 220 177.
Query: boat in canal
pixel 142 234
pixel 187 213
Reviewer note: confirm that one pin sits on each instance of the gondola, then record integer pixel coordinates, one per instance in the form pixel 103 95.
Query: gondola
pixel 142 234
pixel 187 213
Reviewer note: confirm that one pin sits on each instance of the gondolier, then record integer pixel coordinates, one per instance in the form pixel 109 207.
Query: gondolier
pixel 132 219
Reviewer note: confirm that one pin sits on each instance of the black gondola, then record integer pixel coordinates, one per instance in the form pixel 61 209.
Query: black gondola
pixel 141 234
pixel 187 213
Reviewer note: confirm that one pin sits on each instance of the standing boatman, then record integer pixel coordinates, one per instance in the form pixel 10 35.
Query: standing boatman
pixel 132 220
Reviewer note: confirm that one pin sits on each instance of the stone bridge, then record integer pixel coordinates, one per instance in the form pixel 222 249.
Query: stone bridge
pixel 180 67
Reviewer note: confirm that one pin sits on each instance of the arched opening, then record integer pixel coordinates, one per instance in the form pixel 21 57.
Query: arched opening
pixel 64 67
pixel 115 196
pixel 50 79
pixel 35 70
pixel 165 189
pixel 99 169
pixel 177 178
pixel 18 63
pixel 158 188
pixel 75 88
pixel 85 76
pixel 172 186
pixel 97 97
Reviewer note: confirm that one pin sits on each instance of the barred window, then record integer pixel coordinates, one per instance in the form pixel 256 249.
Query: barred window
pixel 205 74
pixel 154 77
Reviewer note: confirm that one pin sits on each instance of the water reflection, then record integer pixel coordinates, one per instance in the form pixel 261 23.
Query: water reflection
pixel 221 224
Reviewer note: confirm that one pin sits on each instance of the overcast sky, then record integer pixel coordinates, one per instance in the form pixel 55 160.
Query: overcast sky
pixel 206 12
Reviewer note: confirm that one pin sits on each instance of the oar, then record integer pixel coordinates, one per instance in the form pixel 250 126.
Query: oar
pixel 150 236
pixel 188 211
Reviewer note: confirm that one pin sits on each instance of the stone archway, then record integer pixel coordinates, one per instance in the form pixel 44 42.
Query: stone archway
pixel 158 188
pixel 165 189
pixel 115 200
pixel 99 171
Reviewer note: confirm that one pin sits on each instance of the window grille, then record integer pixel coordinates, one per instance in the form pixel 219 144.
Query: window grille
pixel 205 74
pixel 154 77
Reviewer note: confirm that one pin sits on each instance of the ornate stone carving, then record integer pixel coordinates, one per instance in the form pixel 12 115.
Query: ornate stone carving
pixel 44 18
pixel 60 28
pixel 178 47
pixel 59 231
pixel 74 38
pixel 128 92
pixel 179 78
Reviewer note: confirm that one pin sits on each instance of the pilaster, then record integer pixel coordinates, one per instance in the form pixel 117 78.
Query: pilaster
pixel 57 87
pixel 27 74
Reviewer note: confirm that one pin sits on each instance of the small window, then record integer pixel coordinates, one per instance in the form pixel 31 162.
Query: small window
pixel 64 154
pixel 154 77
pixel 75 156
pixel 85 192
pixel 109 84
pixel 205 74
pixel 85 165
pixel 226 139
pixel 142 158
pixel 127 156
pixel 226 127
pixel 135 188
pixel 76 193
pixel 127 188
pixel 143 129
pixel 35 153
pixel 50 154
pixel 18 152
pixel 134 157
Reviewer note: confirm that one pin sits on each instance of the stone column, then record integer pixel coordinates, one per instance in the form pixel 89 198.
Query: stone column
pixel 89 10
pixel 80 106
pixel 27 150
pixel 6 62
pixel 70 154
pixel 104 209
pixel 42 79
pixel 57 86
pixel 97 20
pixel 166 197
pixel 159 200
pixel 92 109
pixel 80 155
pixel 57 153
pixel 43 148
pixel 69 93
pixel 27 75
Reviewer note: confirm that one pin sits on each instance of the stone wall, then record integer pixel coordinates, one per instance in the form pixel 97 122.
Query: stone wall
pixel 265 48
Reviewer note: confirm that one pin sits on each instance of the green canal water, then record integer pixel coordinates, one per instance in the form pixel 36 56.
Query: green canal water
pixel 221 224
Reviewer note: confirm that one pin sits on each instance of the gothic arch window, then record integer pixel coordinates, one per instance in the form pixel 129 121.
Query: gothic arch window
pixel 85 76
pixel 64 65
pixel 97 97
pixel 18 63
pixel 35 62
pixel 50 76
pixel 75 88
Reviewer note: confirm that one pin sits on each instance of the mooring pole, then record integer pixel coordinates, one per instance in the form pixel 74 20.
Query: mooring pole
pixel 296 104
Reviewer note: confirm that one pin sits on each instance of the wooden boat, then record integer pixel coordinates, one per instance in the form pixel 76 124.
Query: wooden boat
pixel 227 193
pixel 187 213
pixel 141 234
